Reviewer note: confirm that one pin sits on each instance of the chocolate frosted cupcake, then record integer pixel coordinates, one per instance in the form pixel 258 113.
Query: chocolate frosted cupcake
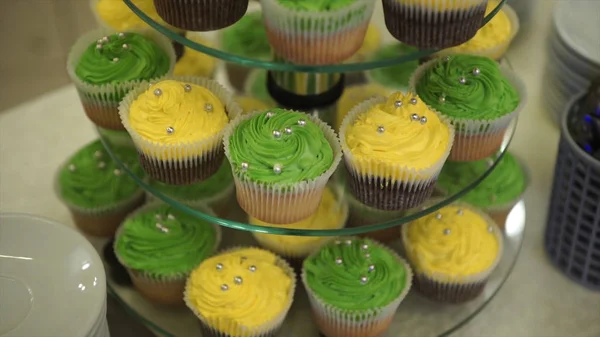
pixel 394 149
pixel 281 162
pixel 160 245
pixel 355 286
pixel 177 126
pixel 433 24
pixel 201 15
pixel 479 97
pixel 96 191
pixel 452 252
pixel 105 66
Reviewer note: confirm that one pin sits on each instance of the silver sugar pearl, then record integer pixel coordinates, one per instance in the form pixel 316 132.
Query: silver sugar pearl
pixel 99 41
pixel 301 122
pixel 442 99
pixel 170 130
pixel 438 216
pixel 99 46
pixel 158 217
pixel 117 172
pixel 98 154
pixel 414 117
pixel 245 166
pixel 423 120
pixel 348 242
pixel 288 131
pixel 187 88
pixel 252 268
pixel 157 92
pixel 447 231
pixel 105 39
pixel 219 266
pixel 367 256
pixel 224 287
pixel 72 168
pixel 337 242
pixel 170 216
pixel 476 71
pixel 116 59
pixel 413 101
pixel 238 280
pixel 121 35
pixel 398 104
pixel 277 134
pixel 460 212
pixel 490 229
pixel 338 260
pixel 381 129
pixel 277 169
pixel 490 162
pixel 208 107
pixel 462 80
pixel 101 165
pixel 270 114
pixel 371 268
pixel 365 246
pixel 364 279
pixel 162 228
pixel 125 46
pixel 447 58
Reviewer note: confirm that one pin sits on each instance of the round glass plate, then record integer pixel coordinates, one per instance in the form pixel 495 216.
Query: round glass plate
pixel 416 316
pixel 282 66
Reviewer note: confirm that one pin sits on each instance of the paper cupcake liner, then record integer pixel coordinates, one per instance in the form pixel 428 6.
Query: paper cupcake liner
pixel 478 139
pixel 423 26
pixel 201 15
pixel 495 52
pixel 371 182
pixel 183 163
pixel 455 288
pixel 277 203
pixel 363 215
pixel 306 37
pixel 214 327
pixel 336 322
pixel 101 102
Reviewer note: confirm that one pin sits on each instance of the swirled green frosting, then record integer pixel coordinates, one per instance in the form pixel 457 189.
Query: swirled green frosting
pixel 92 180
pixel 247 37
pixel 215 184
pixel 304 154
pixel 340 284
pixel 163 241
pixel 506 182
pixel 398 76
pixel 485 96
pixel 114 63
pixel 316 5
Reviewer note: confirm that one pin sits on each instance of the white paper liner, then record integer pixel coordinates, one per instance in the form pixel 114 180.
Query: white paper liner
pixel 169 157
pixel 342 322
pixel 455 282
pixel 267 329
pixel 153 278
pixel 478 139
pixel 278 203
pixel 306 37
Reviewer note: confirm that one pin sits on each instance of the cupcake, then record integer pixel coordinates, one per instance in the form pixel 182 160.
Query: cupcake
pixel 250 104
pixel 201 15
pixel 396 77
pixel 281 162
pixel 217 192
pixel 332 30
pixel 105 66
pixel 478 97
pixel 159 246
pixel 493 39
pixel 97 192
pixel 177 126
pixel 371 43
pixel 195 63
pixel 256 87
pixel 354 95
pixel 115 14
pixel 355 286
pixel 363 215
pixel 433 24
pixel 497 194
pixel 331 214
pixel 394 149
pixel 243 292
pixel 246 38
pixel 452 252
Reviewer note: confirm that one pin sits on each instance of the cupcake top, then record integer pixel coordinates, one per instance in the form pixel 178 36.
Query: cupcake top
pixel 316 6
pixel 455 241
pixel 117 15
pixel 173 112
pixel 397 76
pixel 356 274
pixel 247 37
pixel 92 180
pixel 163 242
pixel 194 63
pixel 203 190
pixel 402 130
pixel 505 183
pixel 467 87
pixel 354 95
pixel 279 147
pixel 250 104
pixel 122 57
pixel 242 288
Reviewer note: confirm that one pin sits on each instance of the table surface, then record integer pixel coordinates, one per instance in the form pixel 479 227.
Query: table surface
pixel 537 300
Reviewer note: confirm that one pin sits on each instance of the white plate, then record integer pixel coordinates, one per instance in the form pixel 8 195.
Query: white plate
pixel 578 26
pixel 566 72
pixel 52 282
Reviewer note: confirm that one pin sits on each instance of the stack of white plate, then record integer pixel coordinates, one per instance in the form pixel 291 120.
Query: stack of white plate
pixel 574 52
pixel 52 282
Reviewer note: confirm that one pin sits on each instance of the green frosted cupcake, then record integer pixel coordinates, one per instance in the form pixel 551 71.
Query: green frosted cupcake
pixel 160 245
pixel 96 191
pixel 355 286
pixel 281 161
pixel 395 77
pixel 496 194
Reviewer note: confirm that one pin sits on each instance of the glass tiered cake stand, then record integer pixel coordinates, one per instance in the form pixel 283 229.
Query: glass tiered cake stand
pixel 315 90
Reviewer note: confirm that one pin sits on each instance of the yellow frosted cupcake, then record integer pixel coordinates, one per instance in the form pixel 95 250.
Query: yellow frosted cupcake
pixel 244 292
pixel 354 95
pixel 453 251
pixel 115 14
pixel 493 39
pixel 331 214
pixel 195 63
pixel 394 149
pixel 177 126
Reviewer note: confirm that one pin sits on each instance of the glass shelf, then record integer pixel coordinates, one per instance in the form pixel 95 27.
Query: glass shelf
pixel 238 223
pixel 281 66
pixel 416 316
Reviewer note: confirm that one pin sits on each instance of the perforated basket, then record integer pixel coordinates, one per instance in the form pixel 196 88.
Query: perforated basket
pixel 572 236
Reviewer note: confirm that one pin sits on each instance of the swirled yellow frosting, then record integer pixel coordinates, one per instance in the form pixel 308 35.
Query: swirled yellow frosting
pixel 117 15
pixel 443 5
pixel 250 104
pixel 251 303
pixel 453 242
pixel 195 63
pixel 177 115
pixel 401 131
pixel 329 215
pixel 355 95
